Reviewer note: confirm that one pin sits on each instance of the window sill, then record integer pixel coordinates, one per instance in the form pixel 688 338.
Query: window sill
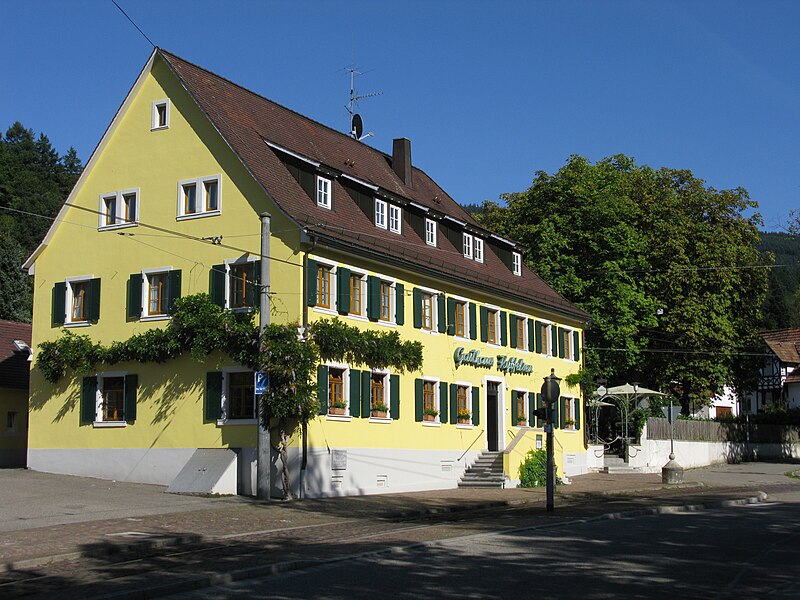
pixel 78 324
pixel 224 422
pixel 118 226
pixel 159 128
pixel 154 318
pixel 198 215
pixel 386 323
pixel 355 317
pixel 326 311
pixel 431 424
pixel 465 426
pixel 377 420
pixel 241 309
pixel 343 418
pixel 109 424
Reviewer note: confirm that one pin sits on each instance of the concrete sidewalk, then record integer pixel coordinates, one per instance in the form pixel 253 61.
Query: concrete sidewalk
pixel 45 518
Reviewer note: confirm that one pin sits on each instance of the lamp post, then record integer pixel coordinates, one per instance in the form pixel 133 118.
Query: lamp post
pixel 550 393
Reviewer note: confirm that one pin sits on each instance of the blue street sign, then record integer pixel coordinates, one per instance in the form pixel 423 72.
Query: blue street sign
pixel 261 382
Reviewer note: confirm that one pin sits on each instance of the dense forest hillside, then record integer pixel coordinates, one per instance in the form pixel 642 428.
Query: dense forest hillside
pixel 782 306
pixel 34 182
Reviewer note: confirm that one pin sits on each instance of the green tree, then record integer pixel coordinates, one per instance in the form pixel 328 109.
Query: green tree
pixel 34 182
pixel 661 262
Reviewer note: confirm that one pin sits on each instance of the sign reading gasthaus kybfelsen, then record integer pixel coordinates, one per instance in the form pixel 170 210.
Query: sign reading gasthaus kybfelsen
pixel 506 364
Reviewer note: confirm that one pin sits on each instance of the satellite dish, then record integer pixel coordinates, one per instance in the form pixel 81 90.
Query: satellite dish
pixel 357 126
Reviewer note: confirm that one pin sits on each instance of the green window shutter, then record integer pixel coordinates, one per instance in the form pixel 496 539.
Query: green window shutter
pixel 503 328
pixel 394 396
pixel 484 324
pixel 419 386
pixel 89 399
pixel 576 345
pixel 173 289
pixel 530 335
pixel 355 393
pixel 476 405
pixel 441 316
pixel 93 301
pixel 561 344
pixel 373 298
pixel 562 410
pixel 212 407
pixel 217 285
pixel 514 408
pixel 311 282
pixel 553 340
pixel 322 389
pixel 539 420
pixel 512 321
pixel 253 290
pixel 134 304
pixel 453 403
pixel 443 403
pixel 399 303
pixel 473 321
pixel 59 314
pixel 577 402
pixel 131 383
pixel 343 290
pixel 531 408
pixel 539 328
pixel 417 300
pixel 366 393
pixel 451 316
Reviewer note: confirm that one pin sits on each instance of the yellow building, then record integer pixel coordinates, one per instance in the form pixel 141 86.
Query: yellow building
pixel 169 205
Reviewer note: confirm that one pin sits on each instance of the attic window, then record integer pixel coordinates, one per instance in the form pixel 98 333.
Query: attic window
pixel 323 192
pixel 516 263
pixel 160 116
pixel 478 253
pixel 395 218
pixel 380 213
pixel 430 232
pixel 467 245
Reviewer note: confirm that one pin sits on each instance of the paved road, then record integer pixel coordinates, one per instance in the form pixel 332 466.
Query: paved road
pixel 743 552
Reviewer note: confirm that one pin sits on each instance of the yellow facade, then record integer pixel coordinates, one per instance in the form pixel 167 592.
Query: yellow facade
pixel 135 156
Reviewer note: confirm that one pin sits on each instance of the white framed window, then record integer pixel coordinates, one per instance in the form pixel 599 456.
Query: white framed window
pixel 569 406
pixel 119 209
pixel 516 263
pixel 338 391
pixel 547 345
pixel 519 408
pixel 379 394
pixel 431 401
pixel 240 280
pixel 395 218
pixel 323 192
pixel 493 326
pixel 461 318
pixel 326 288
pixel 518 322
pixel 115 394
pixel 200 197
pixel 467 245
pixel 380 214
pixel 463 404
pixel 238 396
pixel 566 339
pixel 430 232
pixel 79 300
pixel 387 300
pixel 160 115
pixel 429 310
pixel 155 293
pixel 478 250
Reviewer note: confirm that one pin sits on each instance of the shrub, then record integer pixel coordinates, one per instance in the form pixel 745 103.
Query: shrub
pixel 533 470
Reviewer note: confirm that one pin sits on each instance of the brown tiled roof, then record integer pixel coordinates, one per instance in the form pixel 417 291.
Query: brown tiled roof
pixel 248 121
pixel 785 343
pixel 14 368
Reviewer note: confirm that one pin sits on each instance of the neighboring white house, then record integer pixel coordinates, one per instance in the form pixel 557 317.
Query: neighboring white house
pixel 723 403
pixel 779 378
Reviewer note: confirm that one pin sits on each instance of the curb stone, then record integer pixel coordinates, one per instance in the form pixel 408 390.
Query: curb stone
pixel 298 565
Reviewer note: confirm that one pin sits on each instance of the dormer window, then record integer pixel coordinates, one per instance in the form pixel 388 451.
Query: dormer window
pixel 467 245
pixel 380 214
pixel 395 218
pixel 430 232
pixel 160 116
pixel 478 250
pixel 323 192
pixel 516 263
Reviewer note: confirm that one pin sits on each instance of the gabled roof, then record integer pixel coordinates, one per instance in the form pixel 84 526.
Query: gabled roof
pixel 785 343
pixel 14 367
pixel 258 130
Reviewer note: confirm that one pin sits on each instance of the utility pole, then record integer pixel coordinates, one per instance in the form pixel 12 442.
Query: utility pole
pixel 263 449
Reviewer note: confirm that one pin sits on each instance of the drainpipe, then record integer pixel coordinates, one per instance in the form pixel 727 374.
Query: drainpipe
pixel 263 450
pixel 304 300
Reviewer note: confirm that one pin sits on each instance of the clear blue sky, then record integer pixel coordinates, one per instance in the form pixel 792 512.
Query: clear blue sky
pixel 488 92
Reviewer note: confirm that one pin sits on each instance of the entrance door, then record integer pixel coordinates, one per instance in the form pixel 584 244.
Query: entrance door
pixel 492 430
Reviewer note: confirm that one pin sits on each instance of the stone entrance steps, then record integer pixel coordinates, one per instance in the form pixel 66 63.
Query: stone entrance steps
pixel 615 464
pixel 485 472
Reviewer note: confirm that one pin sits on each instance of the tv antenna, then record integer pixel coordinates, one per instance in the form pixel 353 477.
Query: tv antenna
pixel 356 122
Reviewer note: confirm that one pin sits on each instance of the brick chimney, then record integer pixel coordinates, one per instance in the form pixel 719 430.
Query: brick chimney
pixel 401 159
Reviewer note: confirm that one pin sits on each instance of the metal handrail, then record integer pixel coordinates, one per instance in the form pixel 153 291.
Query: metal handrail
pixel 480 435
